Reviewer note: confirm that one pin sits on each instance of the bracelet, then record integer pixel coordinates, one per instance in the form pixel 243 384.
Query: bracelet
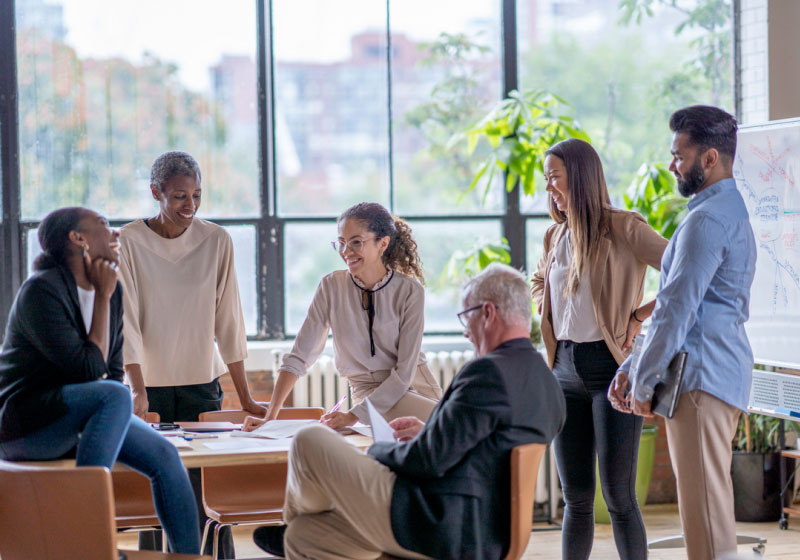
pixel 635 317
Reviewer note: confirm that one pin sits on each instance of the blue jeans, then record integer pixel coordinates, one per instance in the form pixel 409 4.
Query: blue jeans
pixel 99 421
pixel 584 371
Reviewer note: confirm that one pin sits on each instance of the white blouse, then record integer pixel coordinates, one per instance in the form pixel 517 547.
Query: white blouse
pixel 180 295
pixel 573 317
pixel 397 333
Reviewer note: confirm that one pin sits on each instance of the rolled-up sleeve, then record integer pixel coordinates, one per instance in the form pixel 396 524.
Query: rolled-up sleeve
pixel 699 250
pixel 412 325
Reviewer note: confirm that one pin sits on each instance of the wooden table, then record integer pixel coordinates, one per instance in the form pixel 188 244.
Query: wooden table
pixel 201 455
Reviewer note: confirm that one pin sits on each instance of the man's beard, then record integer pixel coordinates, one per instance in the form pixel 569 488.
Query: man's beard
pixel 692 181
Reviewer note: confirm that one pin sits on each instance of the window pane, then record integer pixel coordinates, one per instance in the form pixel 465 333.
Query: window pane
pixel 624 79
pixel 437 243
pixel 244 241
pixel 105 87
pixel 446 75
pixel 331 104
pixel 534 237
pixel 308 256
pixel 244 256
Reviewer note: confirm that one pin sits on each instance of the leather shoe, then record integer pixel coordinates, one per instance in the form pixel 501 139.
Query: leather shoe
pixel 270 539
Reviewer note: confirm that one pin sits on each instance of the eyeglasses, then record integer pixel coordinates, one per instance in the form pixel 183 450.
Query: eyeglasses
pixel 355 245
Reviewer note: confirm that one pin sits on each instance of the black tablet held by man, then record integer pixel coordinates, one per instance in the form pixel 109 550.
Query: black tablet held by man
pixel 668 389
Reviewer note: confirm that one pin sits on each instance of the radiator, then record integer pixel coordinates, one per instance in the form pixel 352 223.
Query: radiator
pixel 322 386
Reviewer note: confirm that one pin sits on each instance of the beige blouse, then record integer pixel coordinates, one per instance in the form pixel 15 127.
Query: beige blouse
pixel 179 296
pixel 397 333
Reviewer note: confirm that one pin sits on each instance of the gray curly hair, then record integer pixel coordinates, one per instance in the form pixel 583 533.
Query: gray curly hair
pixel 173 164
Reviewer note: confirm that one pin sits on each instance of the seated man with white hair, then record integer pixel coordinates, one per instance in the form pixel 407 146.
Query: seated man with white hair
pixel 443 489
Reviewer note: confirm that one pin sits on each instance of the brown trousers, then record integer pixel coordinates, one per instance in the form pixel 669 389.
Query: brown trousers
pixel 699 438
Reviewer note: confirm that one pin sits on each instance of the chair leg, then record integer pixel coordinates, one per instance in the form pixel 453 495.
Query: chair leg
pixel 164 542
pixel 205 535
pixel 215 551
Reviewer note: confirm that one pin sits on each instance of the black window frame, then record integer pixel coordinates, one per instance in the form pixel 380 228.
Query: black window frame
pixel 270 226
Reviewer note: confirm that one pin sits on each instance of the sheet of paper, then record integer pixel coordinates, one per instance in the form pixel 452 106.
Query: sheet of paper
pixel 381 431
pixel 179 442
pixel 276 429
pixel 230 444
pixel 362 429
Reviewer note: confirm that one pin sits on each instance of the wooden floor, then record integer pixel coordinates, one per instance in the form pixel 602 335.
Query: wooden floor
pixel 661 521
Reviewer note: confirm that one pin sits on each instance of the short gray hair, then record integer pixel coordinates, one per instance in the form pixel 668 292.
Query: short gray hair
pixel 173 164
pixel 504 286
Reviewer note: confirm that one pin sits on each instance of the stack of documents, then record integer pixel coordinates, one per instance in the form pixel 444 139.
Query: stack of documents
pixel 277 429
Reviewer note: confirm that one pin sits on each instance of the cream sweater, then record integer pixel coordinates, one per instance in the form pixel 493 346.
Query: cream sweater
pixel 180 295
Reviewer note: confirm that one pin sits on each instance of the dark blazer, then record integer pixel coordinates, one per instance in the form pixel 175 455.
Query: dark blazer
pixel 47 346
pixel 452 495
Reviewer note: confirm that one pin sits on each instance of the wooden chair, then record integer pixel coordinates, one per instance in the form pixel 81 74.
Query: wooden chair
pixel 247 494
pixel 133 499
pixel 52 513
pixel 525 462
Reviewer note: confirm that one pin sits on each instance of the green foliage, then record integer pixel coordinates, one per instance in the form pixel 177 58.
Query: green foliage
pixel 712 46
pixel 652 194
pixel 519 130
pixel 763 434
pixel 466 263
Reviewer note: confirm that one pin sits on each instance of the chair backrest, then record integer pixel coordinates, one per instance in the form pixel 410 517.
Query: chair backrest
pixel 525 461
pixel 56 513
pixel 238 416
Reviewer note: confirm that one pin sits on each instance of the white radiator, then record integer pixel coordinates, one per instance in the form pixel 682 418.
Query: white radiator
pixel 323 387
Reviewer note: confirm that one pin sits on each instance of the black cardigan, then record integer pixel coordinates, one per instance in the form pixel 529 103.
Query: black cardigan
pixel 46 347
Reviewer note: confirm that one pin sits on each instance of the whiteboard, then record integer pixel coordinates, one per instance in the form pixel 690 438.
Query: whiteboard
pixel 767 173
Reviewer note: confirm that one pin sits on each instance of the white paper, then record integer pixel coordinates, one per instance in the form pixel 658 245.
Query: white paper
pixel 180 443
pixel 362 429
pixel 251 443
pixel 381 431
pixel 277 429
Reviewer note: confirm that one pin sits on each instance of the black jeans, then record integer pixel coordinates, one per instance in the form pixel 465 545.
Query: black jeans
pixel 185 403
pixel 585 371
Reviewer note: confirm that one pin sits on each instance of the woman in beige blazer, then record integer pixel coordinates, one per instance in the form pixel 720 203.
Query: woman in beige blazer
pixel 588 287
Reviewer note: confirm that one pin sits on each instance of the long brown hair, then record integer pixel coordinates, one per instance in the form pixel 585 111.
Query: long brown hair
pixel 587 201
pixel 401 254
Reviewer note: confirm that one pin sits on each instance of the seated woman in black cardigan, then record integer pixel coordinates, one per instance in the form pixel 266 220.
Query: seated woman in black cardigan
pixel 61 371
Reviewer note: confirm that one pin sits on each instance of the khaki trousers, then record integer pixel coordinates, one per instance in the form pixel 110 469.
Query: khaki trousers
pixel 420 400
pixel 699 438
pixel 338 501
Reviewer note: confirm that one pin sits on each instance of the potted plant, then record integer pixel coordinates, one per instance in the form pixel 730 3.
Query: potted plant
pixel 755 469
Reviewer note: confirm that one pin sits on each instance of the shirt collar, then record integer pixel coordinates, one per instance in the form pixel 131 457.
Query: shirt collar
pixel 711 190
pixel 378 285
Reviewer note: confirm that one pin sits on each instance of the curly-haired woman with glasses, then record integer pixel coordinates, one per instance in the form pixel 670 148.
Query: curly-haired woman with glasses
pixel 375 310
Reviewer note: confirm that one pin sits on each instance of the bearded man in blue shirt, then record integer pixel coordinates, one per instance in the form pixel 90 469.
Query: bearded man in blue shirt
pixel 701 307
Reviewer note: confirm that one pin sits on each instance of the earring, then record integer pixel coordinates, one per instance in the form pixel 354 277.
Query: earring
pixel 84 248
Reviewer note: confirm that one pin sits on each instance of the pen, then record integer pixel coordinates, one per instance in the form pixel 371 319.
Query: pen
pixel 338 404
pixel 191 436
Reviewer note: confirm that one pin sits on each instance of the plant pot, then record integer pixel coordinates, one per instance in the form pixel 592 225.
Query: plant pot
pixel 756 486
pixel 644 473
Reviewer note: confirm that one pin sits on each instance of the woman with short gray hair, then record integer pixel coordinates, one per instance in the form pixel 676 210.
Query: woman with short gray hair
pixel 183 326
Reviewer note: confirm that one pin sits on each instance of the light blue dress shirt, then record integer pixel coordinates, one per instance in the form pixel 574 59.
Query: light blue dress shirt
pixel 704 300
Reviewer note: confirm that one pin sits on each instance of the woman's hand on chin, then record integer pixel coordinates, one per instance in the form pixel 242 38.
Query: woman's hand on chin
pixel 339 420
